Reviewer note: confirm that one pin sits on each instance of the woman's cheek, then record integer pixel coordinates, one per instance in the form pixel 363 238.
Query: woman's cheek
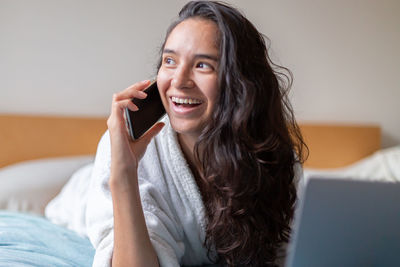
pixel 163 84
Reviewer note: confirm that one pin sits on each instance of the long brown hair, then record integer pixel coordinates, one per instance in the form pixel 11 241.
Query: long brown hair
pixel 249 148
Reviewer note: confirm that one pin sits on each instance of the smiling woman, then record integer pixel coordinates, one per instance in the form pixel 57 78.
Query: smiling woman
pixel 216 180
pixel 189 73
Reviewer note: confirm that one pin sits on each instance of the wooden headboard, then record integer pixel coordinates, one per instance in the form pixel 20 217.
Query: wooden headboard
pixel 338 145
pixel 32 137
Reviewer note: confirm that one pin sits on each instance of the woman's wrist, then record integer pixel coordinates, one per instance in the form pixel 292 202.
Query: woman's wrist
pixel 122 181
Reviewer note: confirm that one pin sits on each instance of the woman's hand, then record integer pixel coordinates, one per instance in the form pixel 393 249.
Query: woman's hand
pixel 132 245
pixel 125 153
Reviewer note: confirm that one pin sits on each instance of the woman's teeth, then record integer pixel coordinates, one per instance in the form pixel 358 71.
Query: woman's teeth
pixel 189 101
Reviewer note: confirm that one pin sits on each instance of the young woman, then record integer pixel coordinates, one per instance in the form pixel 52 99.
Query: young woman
pixel 215 182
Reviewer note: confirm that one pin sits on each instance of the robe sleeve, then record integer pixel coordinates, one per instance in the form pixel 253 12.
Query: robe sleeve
pixel 164 231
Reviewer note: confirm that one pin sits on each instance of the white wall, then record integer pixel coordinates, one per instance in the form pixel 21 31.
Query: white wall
pixel 69 56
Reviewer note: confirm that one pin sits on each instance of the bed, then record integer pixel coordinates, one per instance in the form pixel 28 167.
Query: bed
pixel 40 153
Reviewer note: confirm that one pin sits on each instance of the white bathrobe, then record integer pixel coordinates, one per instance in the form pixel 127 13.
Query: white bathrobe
pixel 172 204
pixel 171 201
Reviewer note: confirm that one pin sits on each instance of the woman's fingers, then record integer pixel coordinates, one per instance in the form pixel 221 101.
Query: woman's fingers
pixel 116 119
pixel 122 100
pixel 134 91
pixel 127 103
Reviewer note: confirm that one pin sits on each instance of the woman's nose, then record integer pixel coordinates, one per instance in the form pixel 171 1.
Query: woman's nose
pixel 182 78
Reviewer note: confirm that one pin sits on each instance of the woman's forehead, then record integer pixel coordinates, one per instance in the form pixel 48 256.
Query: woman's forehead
pixel 194 33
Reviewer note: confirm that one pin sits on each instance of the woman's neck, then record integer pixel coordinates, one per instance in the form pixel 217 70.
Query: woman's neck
pixel 187 144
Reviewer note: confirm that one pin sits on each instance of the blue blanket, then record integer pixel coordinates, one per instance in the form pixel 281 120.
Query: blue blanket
pixel 28 240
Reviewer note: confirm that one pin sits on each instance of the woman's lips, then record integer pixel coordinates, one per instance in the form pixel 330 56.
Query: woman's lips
pixel 184 105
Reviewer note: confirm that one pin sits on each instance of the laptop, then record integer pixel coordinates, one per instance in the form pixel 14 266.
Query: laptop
pixel 342 222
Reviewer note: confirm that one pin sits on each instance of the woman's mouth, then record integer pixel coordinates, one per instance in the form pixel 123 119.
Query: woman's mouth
pixel 186 106
pixel 186 102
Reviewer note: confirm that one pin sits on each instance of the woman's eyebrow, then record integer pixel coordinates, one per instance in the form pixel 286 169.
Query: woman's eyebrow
pixel 168 51
pixel 207 56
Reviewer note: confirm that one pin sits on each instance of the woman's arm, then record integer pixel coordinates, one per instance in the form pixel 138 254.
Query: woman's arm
pixel 132 245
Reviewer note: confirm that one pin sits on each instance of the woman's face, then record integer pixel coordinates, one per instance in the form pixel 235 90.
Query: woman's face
pixel 187 78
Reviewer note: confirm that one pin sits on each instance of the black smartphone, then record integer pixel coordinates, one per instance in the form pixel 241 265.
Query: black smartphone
pixel 151 109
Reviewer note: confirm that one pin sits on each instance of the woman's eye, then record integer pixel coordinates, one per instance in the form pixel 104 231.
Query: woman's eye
pixel 203 65
pixel 169 61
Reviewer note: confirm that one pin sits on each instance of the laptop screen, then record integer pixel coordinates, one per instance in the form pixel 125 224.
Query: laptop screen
pixel 343 222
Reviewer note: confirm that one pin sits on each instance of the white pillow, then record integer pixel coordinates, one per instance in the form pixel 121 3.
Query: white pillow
pixel 383 165
pixel 28 186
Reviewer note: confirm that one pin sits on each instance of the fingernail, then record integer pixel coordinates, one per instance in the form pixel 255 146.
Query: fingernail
pixel 142 93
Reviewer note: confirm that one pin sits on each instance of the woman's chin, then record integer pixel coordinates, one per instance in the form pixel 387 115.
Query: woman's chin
pixel 186 127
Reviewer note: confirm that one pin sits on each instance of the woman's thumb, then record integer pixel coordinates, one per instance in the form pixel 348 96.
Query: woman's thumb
pixel 153 132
